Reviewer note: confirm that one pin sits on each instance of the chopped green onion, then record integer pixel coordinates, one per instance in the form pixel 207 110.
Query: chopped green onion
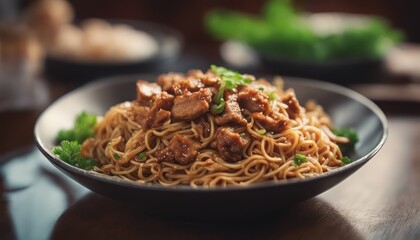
pixel 230 79
pixel 217 109
pixel 142 156
pixel 272 96
pixel 349 133
pixel 261 89
pixel 346 160
pixel 299 159
pixel 116 156
pixel 243 135
pixel 261 131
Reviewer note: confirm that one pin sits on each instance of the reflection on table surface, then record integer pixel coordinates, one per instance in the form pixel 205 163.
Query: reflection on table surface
pixel 379 201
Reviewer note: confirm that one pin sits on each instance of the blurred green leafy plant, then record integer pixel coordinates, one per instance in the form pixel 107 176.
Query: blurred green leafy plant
pixel 280 31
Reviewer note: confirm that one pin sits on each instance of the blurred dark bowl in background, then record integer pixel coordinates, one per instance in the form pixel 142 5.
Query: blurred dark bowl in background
pixel 169 42
pixel 340 71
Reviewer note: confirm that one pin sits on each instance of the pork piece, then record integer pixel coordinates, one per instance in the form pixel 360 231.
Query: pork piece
pixel 164 101
pixel 274 122
pixel 147 92
pixel 210 79
pixel 140 115
pixel 264 85
pixel 294 109
pixel 203 127
pixel 167 81
pixel 253 100
pixel 160 118
pixel 230 144
pixel 165 155
pixel 159 112
pixel 181 149
pixel 189 84
pixel 232 112
pixel 191 105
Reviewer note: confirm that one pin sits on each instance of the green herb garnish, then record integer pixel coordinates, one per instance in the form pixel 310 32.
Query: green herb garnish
pixel 116 156
pixel 218 109
pixel 347 133
pixel 82 129
pixel 346 160
pixel 261 131
pixel 299 159
pixel 69 152
pixel 280 31
pixel 229 80
pixel 261 89
pixel 272 96
pixel 142 156
pixel 243 135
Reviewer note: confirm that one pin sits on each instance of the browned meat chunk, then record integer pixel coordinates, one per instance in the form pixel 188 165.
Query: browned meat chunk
pixel 191 105
pixel 165 155
pixel 253 100
pixel 155 116
pixel 167 81
pixel 263 85
pixel 274 122
pixel 160 118
pixel 147 92
pixel 184 149
pixel 229 144
pixel 293 104
pixel 140 115
pixel 164 101
pixel 210 79
pixel 188 84
pixel 232 112
pixel 203 127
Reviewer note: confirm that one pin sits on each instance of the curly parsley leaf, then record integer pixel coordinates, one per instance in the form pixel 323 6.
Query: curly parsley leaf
pixel 69 152
pixel 82 129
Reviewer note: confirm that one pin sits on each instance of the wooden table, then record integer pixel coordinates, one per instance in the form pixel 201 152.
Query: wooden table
pixel 380 201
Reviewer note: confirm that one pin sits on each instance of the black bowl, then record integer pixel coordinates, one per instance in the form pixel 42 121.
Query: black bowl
pixel 169 45
pixel 347 108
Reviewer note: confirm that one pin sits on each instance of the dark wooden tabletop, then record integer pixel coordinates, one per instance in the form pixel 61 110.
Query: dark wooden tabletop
pixel 380 201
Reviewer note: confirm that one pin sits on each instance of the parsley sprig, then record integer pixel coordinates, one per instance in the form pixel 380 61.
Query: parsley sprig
pixel 82 129
pixel 69 152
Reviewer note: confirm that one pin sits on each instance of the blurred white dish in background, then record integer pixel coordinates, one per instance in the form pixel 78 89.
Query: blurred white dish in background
pixel 405 60
pixel 98 40
pixel 325 24
pixel 238 54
